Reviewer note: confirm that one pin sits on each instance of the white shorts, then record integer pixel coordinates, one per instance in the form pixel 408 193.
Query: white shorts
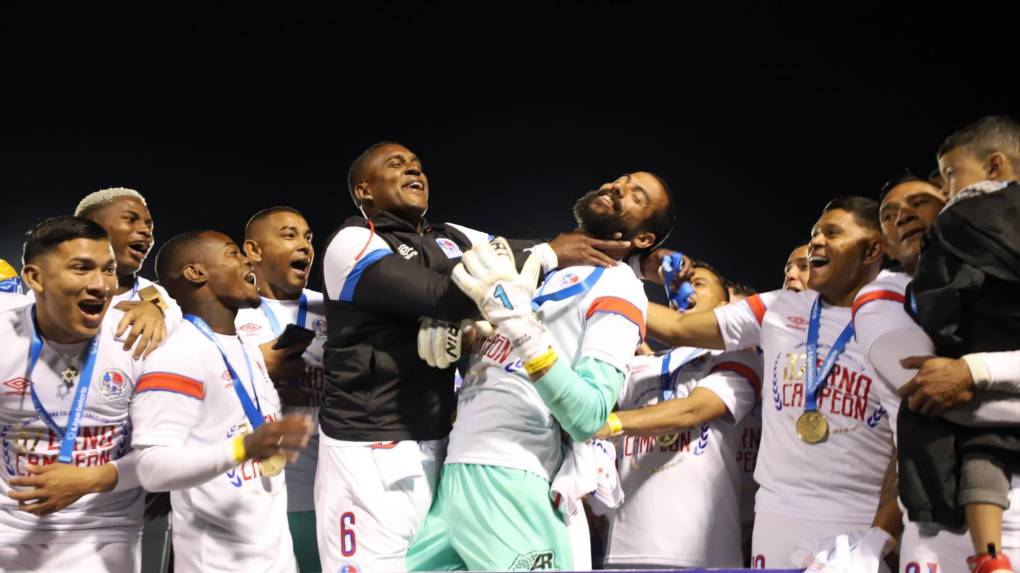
pixel 776 536
pixel 370 500
pixel 77 557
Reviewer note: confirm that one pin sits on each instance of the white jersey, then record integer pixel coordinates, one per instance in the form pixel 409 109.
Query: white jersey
pixel 698 472
pixel 186 397
pixel 9 300
pixel 255 325
pixel 840 478
pixel 501 419
pixel 26 439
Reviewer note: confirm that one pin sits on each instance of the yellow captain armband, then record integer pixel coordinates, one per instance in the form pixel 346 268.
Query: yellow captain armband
pixel 240 453
pixel 615 425
pixel 541 362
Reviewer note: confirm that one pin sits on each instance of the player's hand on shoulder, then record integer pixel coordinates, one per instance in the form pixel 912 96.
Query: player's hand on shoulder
pixel 578 248
pixel 144 324
pixel 940 384
pixel 288 435
pixel 53 487
pixel 284 364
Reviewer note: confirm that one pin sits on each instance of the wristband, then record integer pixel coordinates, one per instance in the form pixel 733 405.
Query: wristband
pixel 615 425
pixel 540 362
pixel 151 294
pixel 239 452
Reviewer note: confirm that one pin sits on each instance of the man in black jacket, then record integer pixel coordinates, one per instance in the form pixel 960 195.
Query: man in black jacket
pixel 385 413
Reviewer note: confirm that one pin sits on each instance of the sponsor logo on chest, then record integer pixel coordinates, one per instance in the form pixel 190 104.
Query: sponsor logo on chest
pixel 449 248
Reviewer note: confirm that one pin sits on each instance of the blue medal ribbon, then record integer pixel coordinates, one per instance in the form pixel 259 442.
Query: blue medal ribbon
pixel 253 410
pixel 302 314
pixel 666 391
pixel 69 435
pixel 572 290
pixel 816 376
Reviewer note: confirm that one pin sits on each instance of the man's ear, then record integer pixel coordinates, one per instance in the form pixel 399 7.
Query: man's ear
pixel 363 194
pixel 252 250
pixel 32 275
pixel 875 250
pixel 998 168
pixel 643 240
pixel 195 273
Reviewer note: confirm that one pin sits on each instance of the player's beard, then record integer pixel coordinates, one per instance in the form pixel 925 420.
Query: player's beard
pixel 600 225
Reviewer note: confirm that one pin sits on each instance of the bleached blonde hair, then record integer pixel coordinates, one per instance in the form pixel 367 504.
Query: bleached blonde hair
pixel 103 197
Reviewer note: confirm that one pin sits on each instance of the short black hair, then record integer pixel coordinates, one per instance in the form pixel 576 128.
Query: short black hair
pixel 171 257
pixel 907 176
pixel 743 289
pixel 660 222
pixel 723 281
pixel 864 210
pixel 354 172
pixel 267 212
pixel 988 135
pixel 51 233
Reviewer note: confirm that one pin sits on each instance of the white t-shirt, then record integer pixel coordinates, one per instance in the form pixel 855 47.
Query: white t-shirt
pixel 501 419
pixel 697 474
pixel 26 439
pixel 186 397
pixel 254 325
pixel 840 478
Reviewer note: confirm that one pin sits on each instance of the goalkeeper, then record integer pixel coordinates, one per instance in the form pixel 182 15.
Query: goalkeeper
pixel 534 376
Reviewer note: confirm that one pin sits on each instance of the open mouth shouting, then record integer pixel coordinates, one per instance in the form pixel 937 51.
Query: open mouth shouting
pixel 817 261
pixel 300 266
pixel 92 311
pixel 249 277
pixel 138 249
pixel 414 186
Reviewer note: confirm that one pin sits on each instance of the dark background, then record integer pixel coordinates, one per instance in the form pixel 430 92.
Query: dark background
pixel 755 114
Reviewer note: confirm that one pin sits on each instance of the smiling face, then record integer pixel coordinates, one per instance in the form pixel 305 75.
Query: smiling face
pixel 230 276
pixel 73 284
pixel 907 212
pixel 280 246
pixel 842 256
pixel 130 226
pixel 393 179
pixel 709 291
pixel 622 206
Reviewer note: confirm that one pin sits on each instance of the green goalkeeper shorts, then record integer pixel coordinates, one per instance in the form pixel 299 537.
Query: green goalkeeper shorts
pixel 490 518
pixel 302 533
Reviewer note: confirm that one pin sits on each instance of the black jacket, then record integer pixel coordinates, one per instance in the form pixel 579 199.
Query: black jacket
pixel 377 388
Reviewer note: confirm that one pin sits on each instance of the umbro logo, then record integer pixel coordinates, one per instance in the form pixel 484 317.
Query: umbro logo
pixel 17 387
pixel 797 322
pixel 250 327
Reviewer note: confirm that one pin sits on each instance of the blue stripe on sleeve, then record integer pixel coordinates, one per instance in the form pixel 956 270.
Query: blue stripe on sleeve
pixel 351 283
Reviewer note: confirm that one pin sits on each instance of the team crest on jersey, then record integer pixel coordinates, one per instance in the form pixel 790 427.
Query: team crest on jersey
pixel 113 385
pixel 250 327
pixel 16 387
pixel 563 280
pixel 534 561
pixel 449 248
pixel 349 567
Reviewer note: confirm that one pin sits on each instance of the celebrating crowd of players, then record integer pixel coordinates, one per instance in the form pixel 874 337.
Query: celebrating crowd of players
pixel 453 400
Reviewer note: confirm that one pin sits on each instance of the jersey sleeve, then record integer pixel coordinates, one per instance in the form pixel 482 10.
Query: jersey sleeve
pixel 168 396
pixel 740 322
pixel 614 319
pixel 735 378
pixel 359 268
pixel 878 310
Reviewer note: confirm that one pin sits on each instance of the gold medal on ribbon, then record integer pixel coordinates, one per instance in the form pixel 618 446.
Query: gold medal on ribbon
pixel 666 439
pixel 273 466
pixel 812 427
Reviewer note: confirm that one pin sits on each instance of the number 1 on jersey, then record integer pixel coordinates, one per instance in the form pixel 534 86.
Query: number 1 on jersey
pixel 500 294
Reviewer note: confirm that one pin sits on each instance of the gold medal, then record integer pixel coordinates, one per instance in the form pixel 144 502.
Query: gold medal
pixel 667 439
pixel 812 427
pixel 273 466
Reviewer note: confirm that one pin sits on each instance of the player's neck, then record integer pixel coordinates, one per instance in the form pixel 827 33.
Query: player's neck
pixel 845 297
pixel 268 290
pixel 125 283
pixel 219 318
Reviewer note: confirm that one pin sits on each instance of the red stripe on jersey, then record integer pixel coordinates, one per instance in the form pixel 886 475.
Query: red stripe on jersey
pixel 371 233
pixel 757 307
pixel 873 296
pixel 742 370
pixel 167 382
pixel 614 305
pixel 383 445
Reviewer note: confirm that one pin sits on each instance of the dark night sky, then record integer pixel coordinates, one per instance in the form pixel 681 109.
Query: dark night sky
pixel 755 116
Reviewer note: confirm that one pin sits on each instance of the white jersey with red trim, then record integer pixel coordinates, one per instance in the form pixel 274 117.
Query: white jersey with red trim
pixel 254 325
pixel 26 439
pixel 698 472
pixel 501 419
pixel 840 478
pixel 186 397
